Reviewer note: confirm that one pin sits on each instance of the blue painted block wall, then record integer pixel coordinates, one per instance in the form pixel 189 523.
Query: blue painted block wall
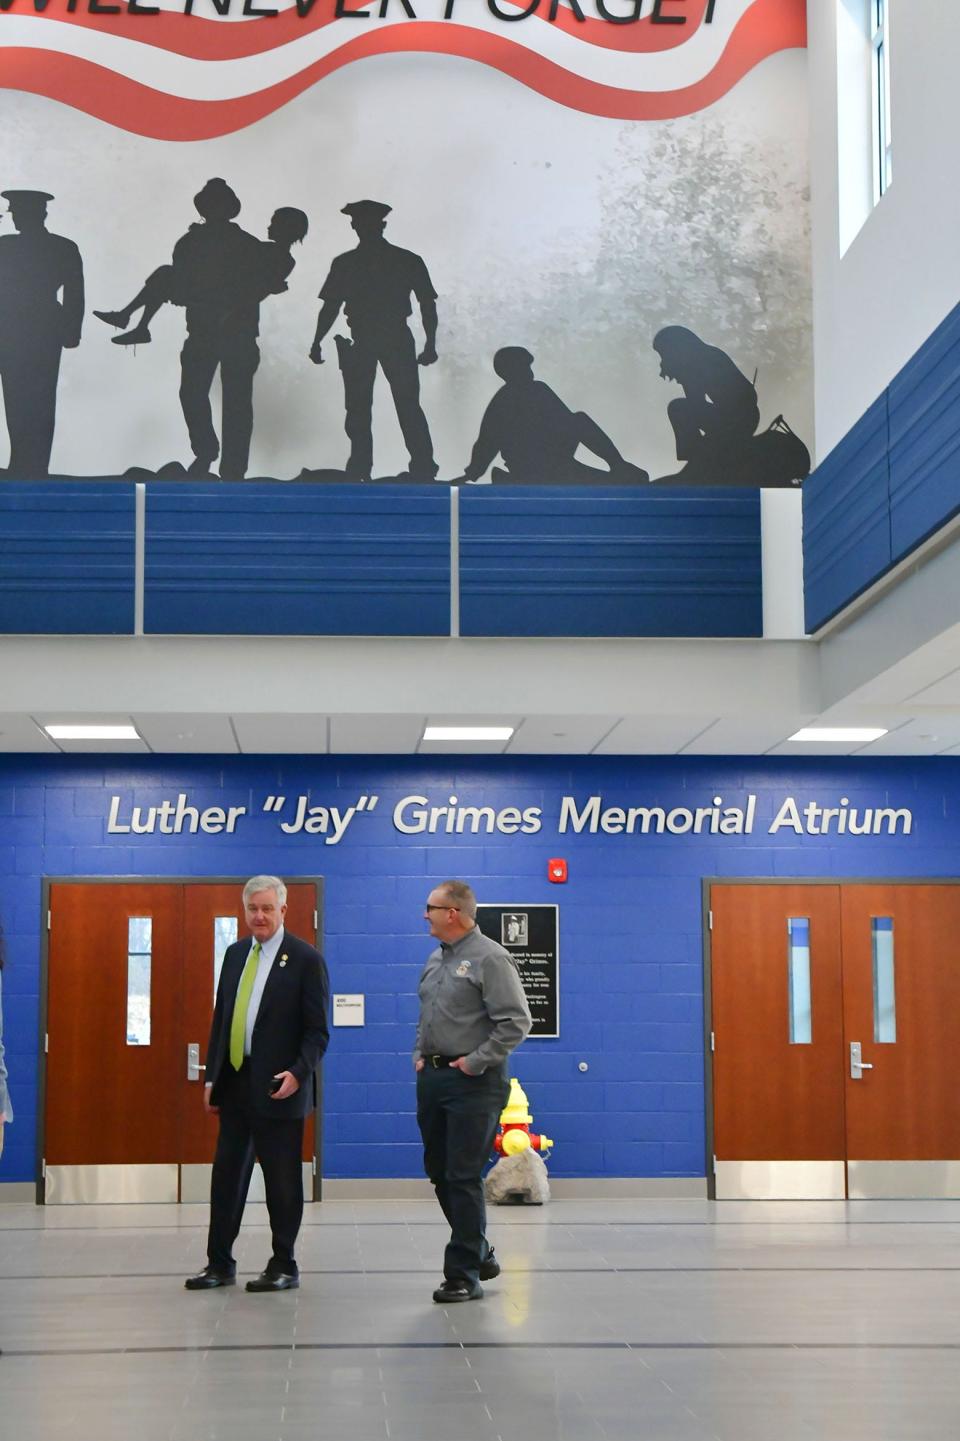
pixel 631 979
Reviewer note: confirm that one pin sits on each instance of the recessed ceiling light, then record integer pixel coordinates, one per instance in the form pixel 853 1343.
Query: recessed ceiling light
pixel 841 735
pixel 92 733
pixel 468 733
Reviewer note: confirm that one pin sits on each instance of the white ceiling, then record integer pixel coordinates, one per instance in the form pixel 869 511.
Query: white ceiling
pixel 318 734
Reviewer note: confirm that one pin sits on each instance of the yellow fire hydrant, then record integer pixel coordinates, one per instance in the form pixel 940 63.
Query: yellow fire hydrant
pixel 515 1134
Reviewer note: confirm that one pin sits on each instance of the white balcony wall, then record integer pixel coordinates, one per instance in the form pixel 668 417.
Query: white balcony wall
pixel 882 286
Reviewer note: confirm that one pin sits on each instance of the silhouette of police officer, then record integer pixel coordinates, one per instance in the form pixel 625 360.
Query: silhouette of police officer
pixel 373 284
pixel 715 421
pixel 41 315
pixel 537 434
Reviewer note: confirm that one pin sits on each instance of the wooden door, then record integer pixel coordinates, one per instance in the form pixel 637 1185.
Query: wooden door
pixel 113 1062
pixel 208 911
pixel 902 1004
pixel 130 984
pixel 777 1063
pixel 883 976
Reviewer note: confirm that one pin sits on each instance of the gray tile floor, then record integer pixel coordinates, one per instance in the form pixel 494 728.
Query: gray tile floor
pixel 666 1320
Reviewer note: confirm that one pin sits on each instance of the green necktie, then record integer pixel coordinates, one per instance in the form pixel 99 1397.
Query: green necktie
pixel 238 1026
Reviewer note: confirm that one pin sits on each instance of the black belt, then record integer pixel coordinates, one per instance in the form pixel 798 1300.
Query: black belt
pixel 437 1061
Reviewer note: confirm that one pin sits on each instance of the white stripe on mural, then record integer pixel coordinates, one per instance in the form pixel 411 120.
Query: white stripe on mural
pixel 214 80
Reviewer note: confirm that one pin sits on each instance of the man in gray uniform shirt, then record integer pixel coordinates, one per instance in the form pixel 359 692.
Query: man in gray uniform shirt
pixel 473 1013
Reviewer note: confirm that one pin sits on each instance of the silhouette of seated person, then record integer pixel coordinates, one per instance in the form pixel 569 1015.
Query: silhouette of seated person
pixel 717 418
pixel 537 434
pixel 274 264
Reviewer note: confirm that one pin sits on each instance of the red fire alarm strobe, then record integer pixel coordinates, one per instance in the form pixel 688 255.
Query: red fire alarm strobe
pixel 556 870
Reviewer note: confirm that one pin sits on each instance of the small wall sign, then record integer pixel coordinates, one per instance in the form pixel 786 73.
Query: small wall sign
pixel 348 1011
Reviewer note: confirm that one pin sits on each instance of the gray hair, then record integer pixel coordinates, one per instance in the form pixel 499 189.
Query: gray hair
pixel 265 883
pixel 460 895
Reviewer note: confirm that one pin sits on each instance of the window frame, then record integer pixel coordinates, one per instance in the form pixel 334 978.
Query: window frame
pixel 880 98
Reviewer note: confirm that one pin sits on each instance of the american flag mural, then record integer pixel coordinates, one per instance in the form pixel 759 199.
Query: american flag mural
pixel 492 242
pixel 182 75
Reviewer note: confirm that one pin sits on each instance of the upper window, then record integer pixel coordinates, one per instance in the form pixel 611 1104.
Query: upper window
pixel 864 150
pixel 880 96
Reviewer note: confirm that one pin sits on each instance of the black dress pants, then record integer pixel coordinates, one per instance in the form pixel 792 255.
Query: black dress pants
pixel 245 1137
pixel 458 1116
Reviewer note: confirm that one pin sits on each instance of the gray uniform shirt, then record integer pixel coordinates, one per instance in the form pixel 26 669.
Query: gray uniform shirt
pixel 471 1003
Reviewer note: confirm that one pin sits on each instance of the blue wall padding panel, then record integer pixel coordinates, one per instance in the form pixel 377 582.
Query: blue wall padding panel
pixel 274 559
pixel 551 561
pixel 892 482
pixel 925 439
pixel 631 924
pixel 66 557
pixel 846 518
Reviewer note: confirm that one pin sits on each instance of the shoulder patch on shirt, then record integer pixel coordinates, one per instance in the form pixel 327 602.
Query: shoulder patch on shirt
pixel 463 969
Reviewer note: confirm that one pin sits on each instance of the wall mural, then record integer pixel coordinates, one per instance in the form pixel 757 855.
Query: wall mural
pixel 413 242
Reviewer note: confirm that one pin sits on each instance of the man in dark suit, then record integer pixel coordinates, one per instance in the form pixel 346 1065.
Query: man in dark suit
pixel 269 1031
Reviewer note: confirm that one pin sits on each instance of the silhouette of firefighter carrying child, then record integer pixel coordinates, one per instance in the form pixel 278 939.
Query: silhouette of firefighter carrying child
pixel 537 434
pixel 715 423
pixel 219 274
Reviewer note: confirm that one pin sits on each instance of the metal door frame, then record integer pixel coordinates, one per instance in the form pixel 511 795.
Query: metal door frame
pixel 706 883
pixel 240 881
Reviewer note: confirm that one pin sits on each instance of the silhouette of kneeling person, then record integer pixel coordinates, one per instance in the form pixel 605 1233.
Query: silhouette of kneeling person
pixel 537 434
pixel 41 315
pixel 718 415
pixel 220 274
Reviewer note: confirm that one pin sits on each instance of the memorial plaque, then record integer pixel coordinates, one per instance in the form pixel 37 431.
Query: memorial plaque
pixel 530 934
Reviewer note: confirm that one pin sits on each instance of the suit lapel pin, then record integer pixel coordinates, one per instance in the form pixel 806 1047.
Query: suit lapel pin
pixel 283 959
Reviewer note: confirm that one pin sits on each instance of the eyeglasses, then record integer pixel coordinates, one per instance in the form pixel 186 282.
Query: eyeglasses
pixel 429 907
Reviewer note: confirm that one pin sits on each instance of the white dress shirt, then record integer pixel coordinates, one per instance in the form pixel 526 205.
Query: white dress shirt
pixel 268 954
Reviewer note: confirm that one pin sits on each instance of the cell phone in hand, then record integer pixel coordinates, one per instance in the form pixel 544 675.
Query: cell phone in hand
pixel 275 1084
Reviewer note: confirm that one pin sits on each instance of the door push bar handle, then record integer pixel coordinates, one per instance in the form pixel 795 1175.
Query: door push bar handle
pixel 193 1061
pixel 857 1065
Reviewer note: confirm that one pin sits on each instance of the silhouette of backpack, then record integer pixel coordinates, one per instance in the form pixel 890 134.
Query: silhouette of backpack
pixel 778 456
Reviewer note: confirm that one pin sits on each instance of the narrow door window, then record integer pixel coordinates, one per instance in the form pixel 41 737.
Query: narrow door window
pixel 884 989
pixel 224 935
pixel 139 960
pixel 798 974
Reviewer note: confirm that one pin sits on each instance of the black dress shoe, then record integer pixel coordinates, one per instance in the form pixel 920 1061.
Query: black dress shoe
pixel 208 1278
pixel 274 1281
pixel 458 1290
pixel 490 1268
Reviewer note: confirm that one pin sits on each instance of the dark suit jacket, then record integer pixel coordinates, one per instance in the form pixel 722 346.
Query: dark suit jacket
pixel 290 1032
